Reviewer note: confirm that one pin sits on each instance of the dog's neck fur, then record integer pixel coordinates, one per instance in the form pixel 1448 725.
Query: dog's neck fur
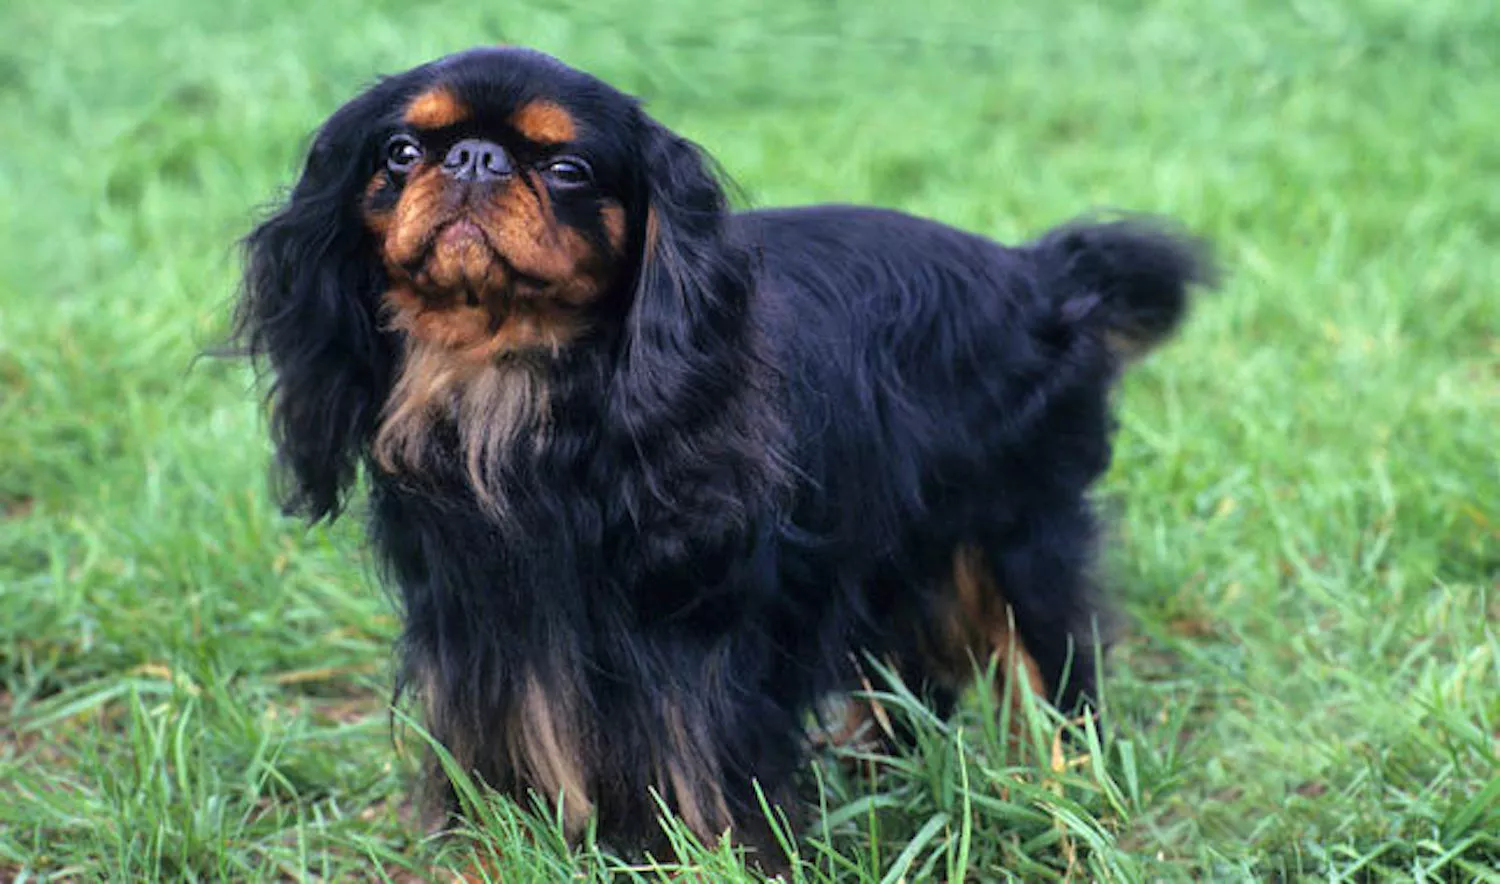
pixel 490 406
pixel 472 421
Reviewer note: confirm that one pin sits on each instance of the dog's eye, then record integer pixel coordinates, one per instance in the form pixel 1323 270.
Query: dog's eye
pixel 568 171
pixel 402 153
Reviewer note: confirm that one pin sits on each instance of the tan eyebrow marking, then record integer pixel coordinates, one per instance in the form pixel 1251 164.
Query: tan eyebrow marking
pixel 544 122
pixel 435 109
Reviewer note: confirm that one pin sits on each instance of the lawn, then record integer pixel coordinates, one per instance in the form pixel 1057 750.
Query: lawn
pixel 1305 500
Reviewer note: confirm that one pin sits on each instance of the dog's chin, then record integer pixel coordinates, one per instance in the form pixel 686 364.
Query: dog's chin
pixel 462 295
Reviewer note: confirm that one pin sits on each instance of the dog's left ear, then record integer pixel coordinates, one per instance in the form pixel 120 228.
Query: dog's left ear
pixel 690 397
pixel 689 313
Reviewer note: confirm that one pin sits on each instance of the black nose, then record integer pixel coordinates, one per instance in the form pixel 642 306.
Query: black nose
pixel 475 159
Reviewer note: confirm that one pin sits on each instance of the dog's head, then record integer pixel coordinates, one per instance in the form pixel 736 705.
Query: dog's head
pixel 497 202
pixel 456 230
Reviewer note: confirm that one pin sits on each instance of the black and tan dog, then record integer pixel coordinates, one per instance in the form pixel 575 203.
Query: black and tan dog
pixel 649 474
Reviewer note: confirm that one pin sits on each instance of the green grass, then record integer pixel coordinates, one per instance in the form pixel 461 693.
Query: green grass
pixel 1307 490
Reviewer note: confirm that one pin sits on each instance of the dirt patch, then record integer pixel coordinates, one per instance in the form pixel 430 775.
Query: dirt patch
pixel 16 508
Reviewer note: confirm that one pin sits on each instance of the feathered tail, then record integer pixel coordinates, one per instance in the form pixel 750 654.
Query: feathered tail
pixel 1133 277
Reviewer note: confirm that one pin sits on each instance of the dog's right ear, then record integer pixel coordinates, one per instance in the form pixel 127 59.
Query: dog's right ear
pixel 308 310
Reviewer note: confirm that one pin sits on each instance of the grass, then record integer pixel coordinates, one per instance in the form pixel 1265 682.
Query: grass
pixel 1307 539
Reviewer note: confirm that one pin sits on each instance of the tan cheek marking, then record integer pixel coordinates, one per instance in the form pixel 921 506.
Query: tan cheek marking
pixel 544 122
pixel 379 222
pixel 415 215
pixel 612 214
pixel 435 109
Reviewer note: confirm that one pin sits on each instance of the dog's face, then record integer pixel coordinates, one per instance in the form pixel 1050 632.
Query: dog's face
pixel 458 229
pixel 498 203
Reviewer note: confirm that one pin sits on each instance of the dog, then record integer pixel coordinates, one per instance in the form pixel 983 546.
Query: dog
pixel 651 476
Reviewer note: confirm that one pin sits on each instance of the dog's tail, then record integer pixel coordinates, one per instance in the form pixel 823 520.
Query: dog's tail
pixel 1130 279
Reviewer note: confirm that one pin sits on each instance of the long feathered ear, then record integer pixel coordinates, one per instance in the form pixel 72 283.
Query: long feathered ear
pixel 689 315
pixel 692 390
pixel 308 308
